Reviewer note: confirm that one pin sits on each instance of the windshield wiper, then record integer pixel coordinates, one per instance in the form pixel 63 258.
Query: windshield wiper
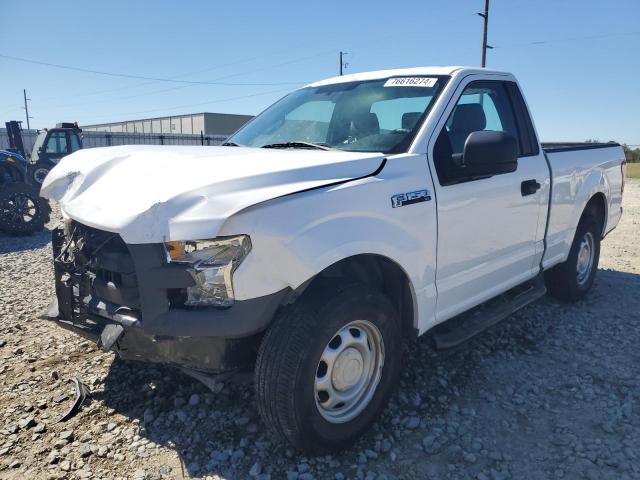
pixel 296 144
pixel 232 144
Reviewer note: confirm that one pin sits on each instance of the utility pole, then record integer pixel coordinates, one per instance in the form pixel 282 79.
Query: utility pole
pixel 485 16
pixel 343 64
pixel 26 108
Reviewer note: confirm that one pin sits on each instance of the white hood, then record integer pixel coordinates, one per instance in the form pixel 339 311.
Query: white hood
pixel 151 194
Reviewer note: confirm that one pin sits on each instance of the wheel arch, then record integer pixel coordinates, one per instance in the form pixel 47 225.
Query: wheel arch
pixel 14 171
pixel 377 271
pixel 597 208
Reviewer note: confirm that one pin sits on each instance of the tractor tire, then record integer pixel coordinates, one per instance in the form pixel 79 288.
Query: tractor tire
pixel 22 210
pixel 38 172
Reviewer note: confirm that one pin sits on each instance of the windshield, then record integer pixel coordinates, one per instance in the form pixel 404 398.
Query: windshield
pixel 365 116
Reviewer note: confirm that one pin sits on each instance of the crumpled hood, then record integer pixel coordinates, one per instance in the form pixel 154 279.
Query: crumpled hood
pixel 150 194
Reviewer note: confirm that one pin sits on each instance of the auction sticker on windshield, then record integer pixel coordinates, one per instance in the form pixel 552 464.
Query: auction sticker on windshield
pixel 411 82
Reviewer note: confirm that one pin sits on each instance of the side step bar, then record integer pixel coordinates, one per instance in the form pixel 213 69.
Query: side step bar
pixel 461 328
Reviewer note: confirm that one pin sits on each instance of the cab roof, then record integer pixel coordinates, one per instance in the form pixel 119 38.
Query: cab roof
pixel 402 72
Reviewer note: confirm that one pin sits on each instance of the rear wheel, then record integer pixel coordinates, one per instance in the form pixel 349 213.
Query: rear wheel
pixel 22 210
pixel 570 281
pixel 327 366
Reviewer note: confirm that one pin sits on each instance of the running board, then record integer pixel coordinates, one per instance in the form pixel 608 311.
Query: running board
pixel 461 328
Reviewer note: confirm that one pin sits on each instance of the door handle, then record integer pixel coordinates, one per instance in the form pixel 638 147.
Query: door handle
pixel 529 187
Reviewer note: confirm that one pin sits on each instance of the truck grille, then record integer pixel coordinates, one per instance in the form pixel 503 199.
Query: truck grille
pixel 95 273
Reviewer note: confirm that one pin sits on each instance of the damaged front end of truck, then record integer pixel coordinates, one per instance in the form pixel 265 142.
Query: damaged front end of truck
pixel 146 268
pixel 132 299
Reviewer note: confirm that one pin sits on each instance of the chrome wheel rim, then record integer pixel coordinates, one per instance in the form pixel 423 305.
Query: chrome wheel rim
pixel 349 371
pixel 586 256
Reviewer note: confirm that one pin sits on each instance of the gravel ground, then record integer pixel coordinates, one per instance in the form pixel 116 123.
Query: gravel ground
pixel 552 392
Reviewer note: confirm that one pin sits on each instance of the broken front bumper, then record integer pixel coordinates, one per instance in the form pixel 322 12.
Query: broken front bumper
pixel 129 299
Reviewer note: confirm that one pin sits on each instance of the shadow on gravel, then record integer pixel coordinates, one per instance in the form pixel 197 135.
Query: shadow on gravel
pixel 221 433
pixel 9 244
pixel 209 431
pixel 629 280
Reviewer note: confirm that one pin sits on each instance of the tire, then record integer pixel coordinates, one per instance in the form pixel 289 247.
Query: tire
pixel 571 281
pixel 38 172
pixel 292 353
pixel 22 210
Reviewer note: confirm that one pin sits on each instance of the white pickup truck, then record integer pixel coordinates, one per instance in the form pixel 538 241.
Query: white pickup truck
pixel 352 214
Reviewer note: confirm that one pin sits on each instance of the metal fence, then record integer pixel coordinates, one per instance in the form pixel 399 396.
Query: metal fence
pixel 107 139
pixel 28 138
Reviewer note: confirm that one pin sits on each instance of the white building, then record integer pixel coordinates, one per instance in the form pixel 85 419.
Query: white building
pixel 193 124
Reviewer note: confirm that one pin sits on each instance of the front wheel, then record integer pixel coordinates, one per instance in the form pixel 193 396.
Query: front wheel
pixel 327 366
pixel 38 172
pixel 570 281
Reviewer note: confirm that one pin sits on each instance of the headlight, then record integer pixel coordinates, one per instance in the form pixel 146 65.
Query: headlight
pixel 212 265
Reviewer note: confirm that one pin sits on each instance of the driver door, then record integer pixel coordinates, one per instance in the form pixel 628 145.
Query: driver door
pixel 488 230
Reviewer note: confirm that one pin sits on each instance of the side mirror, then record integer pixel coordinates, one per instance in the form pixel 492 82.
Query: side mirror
pixel 489 153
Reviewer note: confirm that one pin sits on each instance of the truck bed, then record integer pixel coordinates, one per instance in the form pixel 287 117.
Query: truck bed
pixel 579 170
pixel 553 147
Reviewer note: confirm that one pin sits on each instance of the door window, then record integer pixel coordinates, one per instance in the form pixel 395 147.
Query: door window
pixel 57 143
pixel 75 143
pixel 483 105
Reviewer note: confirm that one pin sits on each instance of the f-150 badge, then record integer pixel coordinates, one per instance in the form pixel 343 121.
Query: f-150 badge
pixel 402 199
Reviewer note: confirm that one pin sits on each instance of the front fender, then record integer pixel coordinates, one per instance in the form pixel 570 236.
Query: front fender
pixel 290 262
pixel 296 237
pixel 14 166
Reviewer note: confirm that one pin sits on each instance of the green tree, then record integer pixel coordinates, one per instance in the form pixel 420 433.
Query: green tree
pixel 632 155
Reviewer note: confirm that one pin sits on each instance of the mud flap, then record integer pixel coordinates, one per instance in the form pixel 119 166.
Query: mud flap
pixel 109 336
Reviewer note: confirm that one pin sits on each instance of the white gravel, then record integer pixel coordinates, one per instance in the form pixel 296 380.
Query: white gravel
pixel 552 392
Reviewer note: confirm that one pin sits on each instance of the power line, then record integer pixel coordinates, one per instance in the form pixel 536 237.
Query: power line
pixel 139 77
pixel 216 67
pixel 568 39
pixel 14 109
pixel 188 83
pixel 127 87
pixel 221 100
pixel 527 4
pixel 187 86
pixel 170 79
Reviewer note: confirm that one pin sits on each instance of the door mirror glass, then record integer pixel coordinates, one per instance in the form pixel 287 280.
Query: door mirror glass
pixel 488 153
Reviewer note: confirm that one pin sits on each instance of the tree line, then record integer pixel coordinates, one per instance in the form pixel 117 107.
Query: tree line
pixel 633 155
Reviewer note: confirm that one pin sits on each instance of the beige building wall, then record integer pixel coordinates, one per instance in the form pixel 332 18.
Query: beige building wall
pixel 207 123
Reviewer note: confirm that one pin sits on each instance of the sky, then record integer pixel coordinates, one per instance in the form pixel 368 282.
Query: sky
pixel 577 60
